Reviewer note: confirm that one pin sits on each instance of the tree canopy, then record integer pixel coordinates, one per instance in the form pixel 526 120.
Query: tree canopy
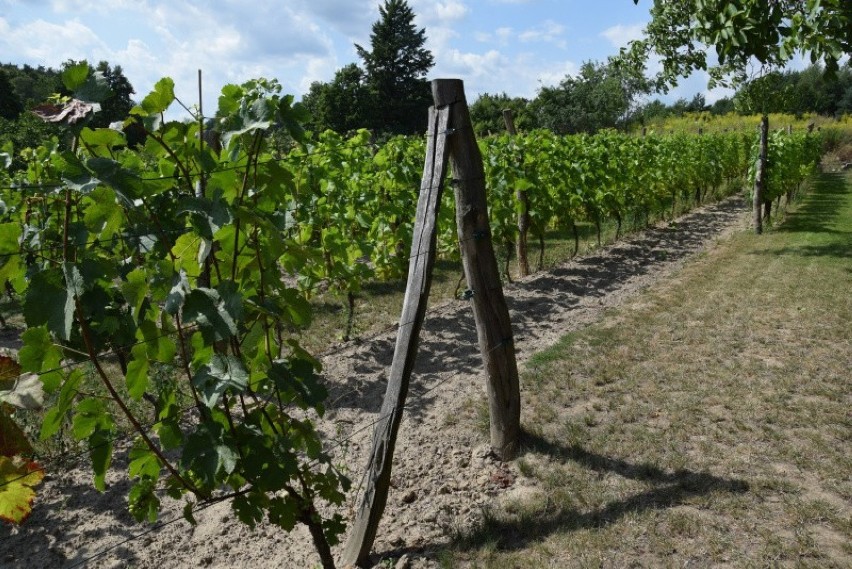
pixel 390 94
pixel 741 32
pixel 601 95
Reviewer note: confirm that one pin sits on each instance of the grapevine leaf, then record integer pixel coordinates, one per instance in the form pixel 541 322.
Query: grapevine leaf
pixel 13 441
pixel 100 450
pixel 249 508
pixel 222 373
pixel 90 416
pixel 144 463
pixel 49 303
pixel 17 479
pixel 158 100
pixel 177 295
pixel 70 113
pixel 205 453
pixel 135 290
pixel 137 372
pixel 74 76
pixel 143 502
pixel 53 418
pixel 126 183
pixel 10 238
pixel 9 372
pixel 206 308
pixel 40 354
pixel 171 436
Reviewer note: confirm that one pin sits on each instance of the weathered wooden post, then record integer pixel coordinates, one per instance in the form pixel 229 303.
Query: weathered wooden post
pixel 378 472
pixel 493 326
pixel 760 177
pixel 450 135
pixel 524 210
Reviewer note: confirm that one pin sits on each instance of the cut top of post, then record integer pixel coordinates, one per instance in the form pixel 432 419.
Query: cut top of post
pixel 447 91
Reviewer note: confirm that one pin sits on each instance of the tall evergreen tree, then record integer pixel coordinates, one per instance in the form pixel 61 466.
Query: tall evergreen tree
pixel 10 104
pixel 396 68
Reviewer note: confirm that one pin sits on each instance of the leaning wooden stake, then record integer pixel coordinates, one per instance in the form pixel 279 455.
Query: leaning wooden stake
pixel 378 472
pixel 523 210
pixel 760 177
pixel 493 326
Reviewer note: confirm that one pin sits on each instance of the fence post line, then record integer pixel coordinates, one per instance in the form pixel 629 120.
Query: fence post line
pixel 493 326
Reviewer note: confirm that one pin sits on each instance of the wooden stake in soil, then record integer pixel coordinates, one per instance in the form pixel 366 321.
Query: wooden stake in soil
pixel 493 326
pixel 450 134
pixel 378 472
pixel 524 213
pixel 760 178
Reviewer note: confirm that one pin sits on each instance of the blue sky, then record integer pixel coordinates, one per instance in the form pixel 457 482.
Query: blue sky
pixel 511 46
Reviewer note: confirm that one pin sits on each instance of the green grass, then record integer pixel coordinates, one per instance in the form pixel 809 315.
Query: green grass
pixel 706 423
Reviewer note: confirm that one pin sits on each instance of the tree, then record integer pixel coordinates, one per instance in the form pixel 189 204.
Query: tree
pixel 741 32
pixel 342 105
pixel 770 33
pixel 117 106
pixel 601 96
pixel 486 113
pixel 396 68
pixel 10 104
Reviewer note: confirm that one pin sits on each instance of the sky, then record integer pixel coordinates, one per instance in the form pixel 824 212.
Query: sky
pixel 495 46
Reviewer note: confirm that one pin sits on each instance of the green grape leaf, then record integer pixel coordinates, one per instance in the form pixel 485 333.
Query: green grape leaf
pixel 143 462
pixel 158 100
pixel 47 302
pixel 74 76
pixel 100 451
pixel 137 372
pixel 222 373
pixel 206 307
pixel 40 354
pixel 143 502
pixel 18 478
pixel 249 508
pixel 90 416
pixel 205 454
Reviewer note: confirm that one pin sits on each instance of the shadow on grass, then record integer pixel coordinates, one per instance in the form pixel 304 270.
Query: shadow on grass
pixel 669 489
pixel 819 207
pixel 820 215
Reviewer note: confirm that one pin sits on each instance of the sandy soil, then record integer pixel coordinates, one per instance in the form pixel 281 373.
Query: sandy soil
pixel 443 471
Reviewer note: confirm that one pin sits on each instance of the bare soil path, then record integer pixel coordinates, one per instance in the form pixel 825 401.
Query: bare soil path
pixel 443 472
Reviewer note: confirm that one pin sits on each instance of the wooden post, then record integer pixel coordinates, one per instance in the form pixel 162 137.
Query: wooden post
pixel 760 177
pixel 450 135
pixel 524 212
pixel 378 472
pixel 493 326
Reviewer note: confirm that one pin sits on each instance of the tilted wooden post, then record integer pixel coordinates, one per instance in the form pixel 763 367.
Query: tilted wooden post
pixel 450 134
pixel 760 177
pixel 524 212
pixel 493 326
pixel 378 472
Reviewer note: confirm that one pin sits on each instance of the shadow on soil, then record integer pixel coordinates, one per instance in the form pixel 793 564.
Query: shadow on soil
pixel 669 489
pixel 448 339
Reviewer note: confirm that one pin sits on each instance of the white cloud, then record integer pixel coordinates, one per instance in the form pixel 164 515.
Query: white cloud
pixel 620 35
pixel 548 32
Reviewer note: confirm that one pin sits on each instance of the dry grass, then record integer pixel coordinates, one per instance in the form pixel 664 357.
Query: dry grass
pixel 706 424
